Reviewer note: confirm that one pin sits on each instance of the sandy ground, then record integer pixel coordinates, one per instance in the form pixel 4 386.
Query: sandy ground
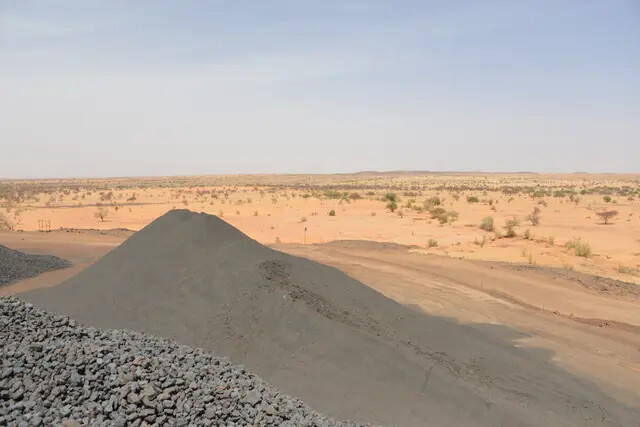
pixel 295 209
pixel 549 311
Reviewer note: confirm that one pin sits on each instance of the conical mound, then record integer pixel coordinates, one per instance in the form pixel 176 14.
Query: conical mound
pixel 312 331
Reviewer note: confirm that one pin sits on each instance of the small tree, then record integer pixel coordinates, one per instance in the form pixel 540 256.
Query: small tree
pixel 510 226
pixel 606 215
pixel 101 213
pixel 392 206
pixel 534 217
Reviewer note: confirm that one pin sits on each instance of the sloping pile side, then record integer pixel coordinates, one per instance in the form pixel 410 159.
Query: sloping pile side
pixel 16 265
pixel 52 371
pixel 321 336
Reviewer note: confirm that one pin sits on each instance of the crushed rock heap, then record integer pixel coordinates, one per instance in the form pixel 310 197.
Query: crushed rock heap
pixel 54 371
pixel 16 265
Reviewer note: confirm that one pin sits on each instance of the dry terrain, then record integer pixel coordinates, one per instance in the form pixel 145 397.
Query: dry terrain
pixel 566 284
pixel 437 213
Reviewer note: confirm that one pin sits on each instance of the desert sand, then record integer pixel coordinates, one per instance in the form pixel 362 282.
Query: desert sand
pixel 295 209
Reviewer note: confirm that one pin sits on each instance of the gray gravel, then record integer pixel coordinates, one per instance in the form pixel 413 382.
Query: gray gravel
pixel 16 265
pixel 56 372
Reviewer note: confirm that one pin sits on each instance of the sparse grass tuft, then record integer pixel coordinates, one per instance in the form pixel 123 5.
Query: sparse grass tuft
pixel 580 247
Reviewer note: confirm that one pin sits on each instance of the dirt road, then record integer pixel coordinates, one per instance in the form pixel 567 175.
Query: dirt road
pixel 550 312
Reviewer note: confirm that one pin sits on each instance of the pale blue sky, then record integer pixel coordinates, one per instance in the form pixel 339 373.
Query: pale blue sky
pixel 112 88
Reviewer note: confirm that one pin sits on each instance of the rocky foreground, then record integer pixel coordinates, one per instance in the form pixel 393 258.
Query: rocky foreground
pixel 56 372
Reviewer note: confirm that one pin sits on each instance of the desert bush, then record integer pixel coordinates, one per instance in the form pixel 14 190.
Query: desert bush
pixel 5 223
pixel 332 194
pixel 481 242
pixel 527 234
pixel 332 213
pixel 437 212
pixel 303 219
pixel 605 216
pixel 607 199
pixel 373 214
pixel 452 216
pixel 551 240
pixel 510 226
pixel 355 196
pixel 432 243
pixel 101 212
pixel 392 197
pixel 580 247
pixel 431 202
pixel 486 224
pixel 392 206
pixel 472 199
pixel 444 216
pixel 534 216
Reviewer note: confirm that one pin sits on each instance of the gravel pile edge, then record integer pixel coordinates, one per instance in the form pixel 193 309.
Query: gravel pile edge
pixel 56 372
pixel 16 265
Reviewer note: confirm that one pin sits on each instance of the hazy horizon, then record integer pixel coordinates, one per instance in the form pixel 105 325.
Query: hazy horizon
pixel 106 89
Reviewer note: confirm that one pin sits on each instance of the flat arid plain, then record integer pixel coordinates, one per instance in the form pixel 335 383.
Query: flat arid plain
pixel 554 257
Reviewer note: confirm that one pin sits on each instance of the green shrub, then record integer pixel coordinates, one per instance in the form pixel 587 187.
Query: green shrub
pixel 332 213
pixel 472 199
pixel 392 206
pixel 431 202
pixel 392 197
pixel 607 199
pixel 332 194
pixel 487 223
